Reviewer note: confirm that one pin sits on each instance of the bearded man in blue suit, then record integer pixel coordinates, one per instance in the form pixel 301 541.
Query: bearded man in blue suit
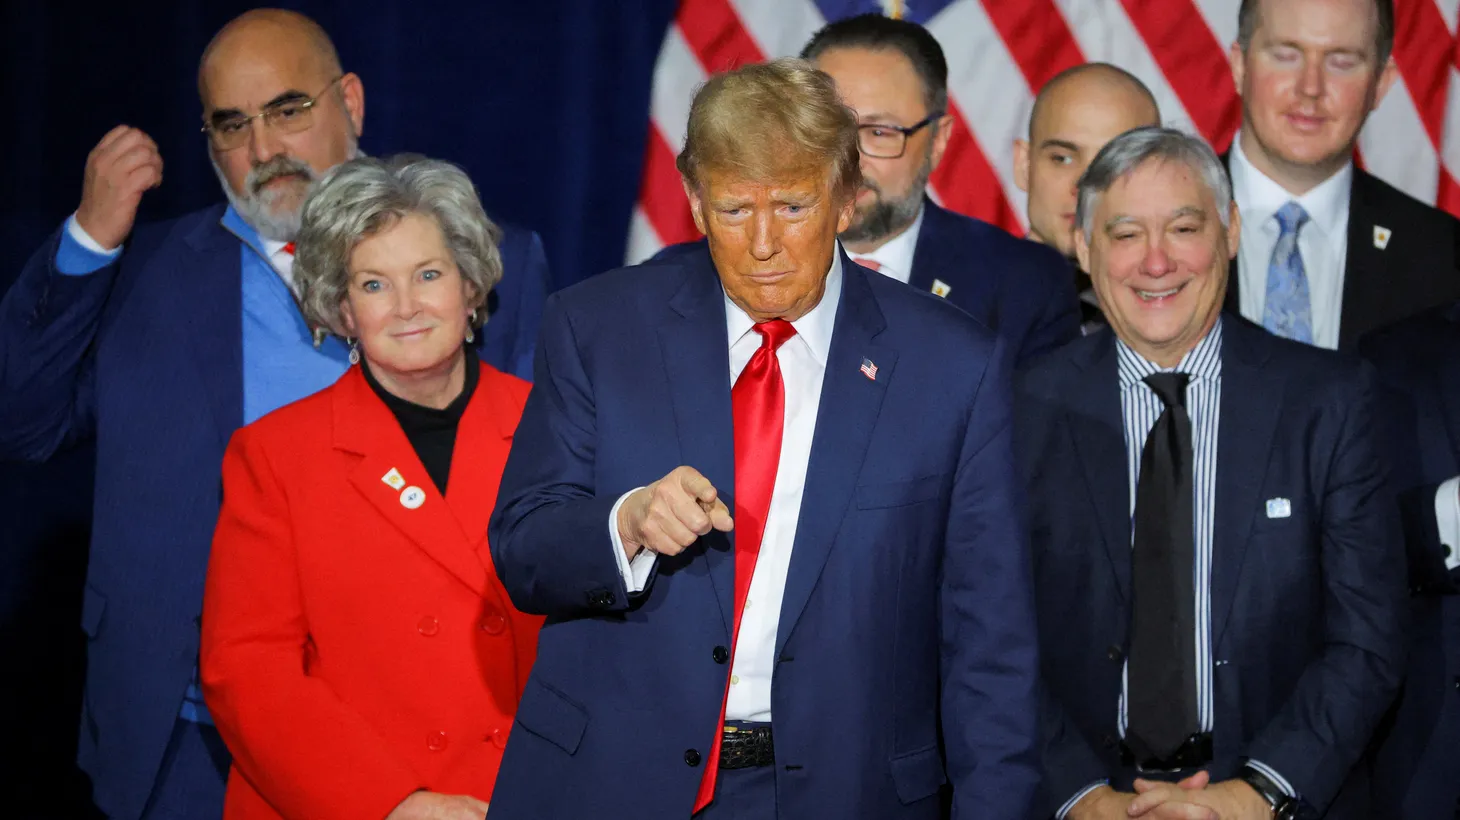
pixel 767 503
pixel 160 342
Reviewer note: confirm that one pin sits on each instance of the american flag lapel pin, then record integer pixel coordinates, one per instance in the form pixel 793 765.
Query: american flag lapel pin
pixel 868 369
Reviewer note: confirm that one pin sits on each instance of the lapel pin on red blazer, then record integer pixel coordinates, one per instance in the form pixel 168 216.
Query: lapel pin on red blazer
pixel 412 497
pixel 393 479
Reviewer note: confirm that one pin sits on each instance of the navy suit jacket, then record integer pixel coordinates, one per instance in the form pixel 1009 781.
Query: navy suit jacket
pixel 1019 288
pixel 1417 767
pixel 147 355
pixel 907 624
pixel 1306 610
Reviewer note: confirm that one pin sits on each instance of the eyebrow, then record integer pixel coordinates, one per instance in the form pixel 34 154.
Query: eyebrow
pixel 1056 143
pixel 1186 210
pixel 292 95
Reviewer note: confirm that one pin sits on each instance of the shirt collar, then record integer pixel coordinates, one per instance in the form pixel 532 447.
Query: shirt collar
pixel 1259 197
pixel 1202 363
pixel 896 255
pixel 814 328
pixel 267 248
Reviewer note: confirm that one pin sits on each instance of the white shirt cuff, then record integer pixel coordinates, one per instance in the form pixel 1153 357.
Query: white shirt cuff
pixel 636 572
pixel 84 239
pixel 1447 520
pixel 1271 774
pixel 1079 795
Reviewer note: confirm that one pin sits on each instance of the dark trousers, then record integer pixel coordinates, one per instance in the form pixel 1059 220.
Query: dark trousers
pixel 193 778
pixel 743 794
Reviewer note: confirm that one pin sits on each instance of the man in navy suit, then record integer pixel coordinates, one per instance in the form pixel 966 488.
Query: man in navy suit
pixel 837 534
pixel 892 72
pixel 1218 563
pixel 1417 769
pixel 164 348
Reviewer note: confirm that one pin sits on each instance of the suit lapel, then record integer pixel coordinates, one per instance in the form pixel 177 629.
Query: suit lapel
pixel 845 420
pixel 1098 432
pixel 210 285
pixel 1363 280
pixel 1250 404
pixel 1448 383
pixel 364 425
pixel 697 363
pixel 482 440
pixel 935 255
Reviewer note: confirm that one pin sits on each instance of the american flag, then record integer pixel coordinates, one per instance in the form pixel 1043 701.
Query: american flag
pixel 869 370
pixel 1001 51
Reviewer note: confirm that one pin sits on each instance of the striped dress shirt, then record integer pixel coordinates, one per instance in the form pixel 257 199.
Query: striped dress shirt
pixel 1140 408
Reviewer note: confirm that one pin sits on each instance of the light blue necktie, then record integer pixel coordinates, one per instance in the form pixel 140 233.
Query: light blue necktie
pixel 1288 311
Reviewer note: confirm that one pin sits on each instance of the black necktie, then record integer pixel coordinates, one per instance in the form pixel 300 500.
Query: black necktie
pixel 1161 676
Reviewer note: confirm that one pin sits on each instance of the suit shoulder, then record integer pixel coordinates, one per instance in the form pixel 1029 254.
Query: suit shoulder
pixel 1416 340
pixel 910 308
pixel 1401 208
pixel 514 389
pixel 1312 371
pixel 1045 374
pixel 993 242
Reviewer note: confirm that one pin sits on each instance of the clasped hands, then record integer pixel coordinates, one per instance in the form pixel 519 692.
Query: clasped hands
pixel 668 515
pixel 1195 798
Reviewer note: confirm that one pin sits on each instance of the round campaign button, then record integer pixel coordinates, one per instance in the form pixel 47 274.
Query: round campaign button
pixel 412 497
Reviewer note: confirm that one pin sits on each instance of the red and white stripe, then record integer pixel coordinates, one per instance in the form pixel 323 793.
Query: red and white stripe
pixel 1000 51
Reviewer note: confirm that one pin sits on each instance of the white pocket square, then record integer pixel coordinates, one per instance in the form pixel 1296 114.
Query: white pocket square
pixel 1279 508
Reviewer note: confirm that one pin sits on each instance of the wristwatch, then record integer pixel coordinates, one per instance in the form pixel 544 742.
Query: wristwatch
pixel 1283 806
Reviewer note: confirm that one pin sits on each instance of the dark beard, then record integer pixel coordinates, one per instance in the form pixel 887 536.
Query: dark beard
pixel 886 217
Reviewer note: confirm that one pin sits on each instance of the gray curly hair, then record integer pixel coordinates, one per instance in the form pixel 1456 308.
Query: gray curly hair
pixel 363 196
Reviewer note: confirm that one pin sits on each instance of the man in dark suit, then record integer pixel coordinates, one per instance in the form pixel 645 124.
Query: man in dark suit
pixel 161 350
pixel 868 598
pixel 1218 566
pixel 893 74
pixel 1329 251
pixel 1074 115
pixel 1417 768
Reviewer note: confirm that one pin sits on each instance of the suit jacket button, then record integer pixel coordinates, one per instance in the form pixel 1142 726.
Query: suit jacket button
pixel 1457 684
pixel 499 738
pixel 428 626
pixel 721 654
pixel 494 623
pixel 436 741
pixel 691 758
pixel 1114 654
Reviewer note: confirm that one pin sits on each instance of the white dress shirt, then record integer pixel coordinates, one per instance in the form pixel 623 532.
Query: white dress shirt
pixel 1447 518
pixel 895 257
pixel 1322 242
pixel 803 365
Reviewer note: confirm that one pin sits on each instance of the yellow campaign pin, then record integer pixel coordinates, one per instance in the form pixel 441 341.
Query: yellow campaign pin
pixel 1381 237
pixel 941 289
pixel 393 479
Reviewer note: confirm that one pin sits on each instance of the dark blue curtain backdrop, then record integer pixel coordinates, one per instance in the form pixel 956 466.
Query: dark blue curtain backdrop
pixel 544 102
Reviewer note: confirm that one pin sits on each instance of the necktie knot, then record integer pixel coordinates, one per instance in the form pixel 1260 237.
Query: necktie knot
pixel 289 248
pixel 1291 218
pixel 1169 387
pixel 870 264
pixel 774 333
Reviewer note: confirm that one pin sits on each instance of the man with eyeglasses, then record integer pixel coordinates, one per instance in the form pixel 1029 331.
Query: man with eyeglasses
pixel 161 349
pixel 893 73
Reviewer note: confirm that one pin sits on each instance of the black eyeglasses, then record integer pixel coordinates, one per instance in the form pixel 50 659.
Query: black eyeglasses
pixel 289 116
pixel 889 141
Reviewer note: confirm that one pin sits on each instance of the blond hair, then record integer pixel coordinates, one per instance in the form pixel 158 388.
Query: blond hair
pixel 771 121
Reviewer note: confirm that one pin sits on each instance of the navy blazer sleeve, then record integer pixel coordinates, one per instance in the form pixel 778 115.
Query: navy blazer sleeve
pixel 989 642
pixel 48 322
pixel 510 336
pixel 549 534
pixel 1322 730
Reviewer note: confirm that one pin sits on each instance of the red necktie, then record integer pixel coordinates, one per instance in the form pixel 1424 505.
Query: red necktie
pixel 872 264
pixel 758 404
pixel 289 248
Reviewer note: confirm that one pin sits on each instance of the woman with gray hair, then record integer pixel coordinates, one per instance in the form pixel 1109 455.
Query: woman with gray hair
pixel 359 656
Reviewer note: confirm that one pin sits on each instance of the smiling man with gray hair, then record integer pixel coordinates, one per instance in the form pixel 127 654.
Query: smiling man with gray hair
pixel 1219 571
pixel 160 350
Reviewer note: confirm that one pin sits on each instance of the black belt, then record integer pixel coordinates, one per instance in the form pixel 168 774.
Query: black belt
pixel 1193 754
pixel 746 747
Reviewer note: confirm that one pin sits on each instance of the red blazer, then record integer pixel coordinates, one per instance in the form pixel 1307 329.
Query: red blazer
pixel 355 649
